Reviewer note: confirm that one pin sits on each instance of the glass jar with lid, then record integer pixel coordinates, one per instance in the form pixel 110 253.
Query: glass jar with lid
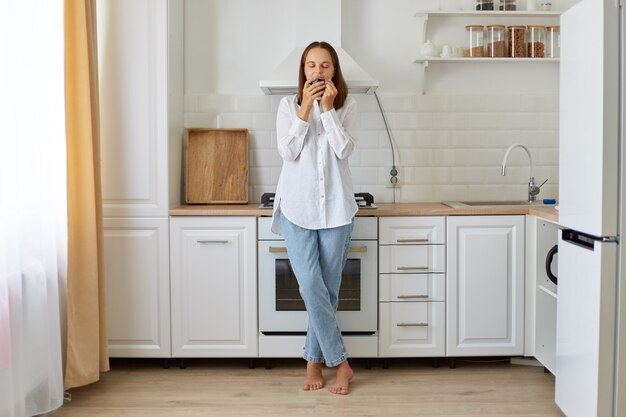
pixel 475 37
pixel 536 41
pixel 484 4
pixel 508 5
pixel 553 41
pixel 517 41
pixel 495 41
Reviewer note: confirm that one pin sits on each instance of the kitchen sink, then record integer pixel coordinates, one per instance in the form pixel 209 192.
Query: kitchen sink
pixel 467 204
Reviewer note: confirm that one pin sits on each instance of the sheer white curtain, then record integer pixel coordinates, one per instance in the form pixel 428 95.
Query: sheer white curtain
pixel 33 225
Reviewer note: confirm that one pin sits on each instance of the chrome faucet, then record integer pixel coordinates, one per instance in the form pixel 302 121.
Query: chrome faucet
pixel 533 188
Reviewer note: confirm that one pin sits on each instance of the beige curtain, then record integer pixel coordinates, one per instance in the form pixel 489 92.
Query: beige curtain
pixel 87 353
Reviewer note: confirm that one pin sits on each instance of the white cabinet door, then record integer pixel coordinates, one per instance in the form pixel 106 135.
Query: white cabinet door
pixel 214 292
pixel 133 89
pixel 137 287
pixel 485 292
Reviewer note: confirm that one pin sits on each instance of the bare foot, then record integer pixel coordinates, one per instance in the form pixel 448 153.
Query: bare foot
pixel 342 379
pixel 313 380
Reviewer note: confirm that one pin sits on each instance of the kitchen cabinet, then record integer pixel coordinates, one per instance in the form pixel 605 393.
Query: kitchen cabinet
pixel 136 256
pixel 412 280
pixel 541 291
pixel 485 291
pixel 140 101
pixel 214 286
pixel 450 29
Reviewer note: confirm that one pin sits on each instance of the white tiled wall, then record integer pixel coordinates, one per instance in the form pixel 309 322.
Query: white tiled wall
pixel 448 147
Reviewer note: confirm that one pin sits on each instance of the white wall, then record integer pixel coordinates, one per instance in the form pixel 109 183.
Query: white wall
pixel 450 141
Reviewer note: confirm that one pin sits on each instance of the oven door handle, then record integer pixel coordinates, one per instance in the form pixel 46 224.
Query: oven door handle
pixel 283 249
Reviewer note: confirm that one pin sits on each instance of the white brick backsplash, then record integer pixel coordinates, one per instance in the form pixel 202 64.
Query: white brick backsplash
pixel 364 175
pixel 208 103
pixel 235 120
pixel 264 121
pixel 447 147
pixel 502 103
pixel 260 139
pixel 467 103
pixel 367 139
pixel 265 158
pixel 416 121
pixel 253 104
pixel 432 103
pixel 396 103
pixel 208 120
pixel 540 102
pixel 260 176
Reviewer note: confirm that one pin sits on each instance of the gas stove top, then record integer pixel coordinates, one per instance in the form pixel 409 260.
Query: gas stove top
pixel 363 200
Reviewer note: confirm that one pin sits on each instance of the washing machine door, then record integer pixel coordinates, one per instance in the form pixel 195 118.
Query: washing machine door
pixel 549 261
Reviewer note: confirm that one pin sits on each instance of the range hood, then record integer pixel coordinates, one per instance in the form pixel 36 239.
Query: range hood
pixel 284 79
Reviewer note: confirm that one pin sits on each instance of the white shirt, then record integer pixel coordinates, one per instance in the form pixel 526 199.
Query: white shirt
pixel 314 189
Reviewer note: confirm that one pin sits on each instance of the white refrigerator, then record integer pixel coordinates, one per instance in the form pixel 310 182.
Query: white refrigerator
pixel 590 343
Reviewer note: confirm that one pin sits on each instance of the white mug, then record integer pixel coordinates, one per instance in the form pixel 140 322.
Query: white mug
pixel 446 51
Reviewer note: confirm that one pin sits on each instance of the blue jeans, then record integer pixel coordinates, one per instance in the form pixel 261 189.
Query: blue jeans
pixel 317 258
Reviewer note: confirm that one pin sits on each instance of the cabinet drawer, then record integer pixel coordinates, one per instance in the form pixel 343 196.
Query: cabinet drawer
pixel 412 259
pixel 412 287
pixel 412 230
pixel 412 329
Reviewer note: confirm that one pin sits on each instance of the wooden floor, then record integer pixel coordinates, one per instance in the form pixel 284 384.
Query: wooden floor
pixel 227 387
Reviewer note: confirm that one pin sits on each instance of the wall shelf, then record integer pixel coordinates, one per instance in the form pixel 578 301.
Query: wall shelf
pixel 492 15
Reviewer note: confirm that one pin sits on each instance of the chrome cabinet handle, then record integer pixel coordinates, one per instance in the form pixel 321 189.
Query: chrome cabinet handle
pixel 411 268
pixel 420 240
pixel 204 242
pixel 412 324
pixel 359 249
pixel 413 296
pixel 278 249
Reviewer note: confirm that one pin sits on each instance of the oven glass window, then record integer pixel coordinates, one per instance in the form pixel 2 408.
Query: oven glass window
pixel 288 295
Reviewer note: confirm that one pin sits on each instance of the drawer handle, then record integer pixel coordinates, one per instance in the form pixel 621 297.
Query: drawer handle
pixel 204 242
pixel 421 240
pixel 278 249
pixel 359 249
pixel 412 324
pixel 282 249
pixel 413 296
pixel 412 268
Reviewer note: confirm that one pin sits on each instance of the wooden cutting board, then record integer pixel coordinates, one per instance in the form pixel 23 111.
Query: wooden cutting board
pixel 216 166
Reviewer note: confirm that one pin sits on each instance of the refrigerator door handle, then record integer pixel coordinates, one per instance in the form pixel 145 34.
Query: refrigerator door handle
pixel 583 240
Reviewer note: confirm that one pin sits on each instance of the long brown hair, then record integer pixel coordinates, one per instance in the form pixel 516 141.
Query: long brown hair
pixel 338 80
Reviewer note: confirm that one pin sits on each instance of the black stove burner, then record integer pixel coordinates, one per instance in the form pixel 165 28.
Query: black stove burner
pixel 363 200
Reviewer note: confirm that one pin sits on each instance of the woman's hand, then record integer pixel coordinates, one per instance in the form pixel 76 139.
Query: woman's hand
pixel 310 92
pixel 328 98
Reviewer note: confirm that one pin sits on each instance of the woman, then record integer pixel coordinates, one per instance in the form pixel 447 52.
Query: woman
pixel 314 204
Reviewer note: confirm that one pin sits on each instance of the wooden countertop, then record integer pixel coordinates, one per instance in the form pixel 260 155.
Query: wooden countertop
pixel 384 209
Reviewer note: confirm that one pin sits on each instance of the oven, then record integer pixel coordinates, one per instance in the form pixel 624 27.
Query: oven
pixel 281 309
